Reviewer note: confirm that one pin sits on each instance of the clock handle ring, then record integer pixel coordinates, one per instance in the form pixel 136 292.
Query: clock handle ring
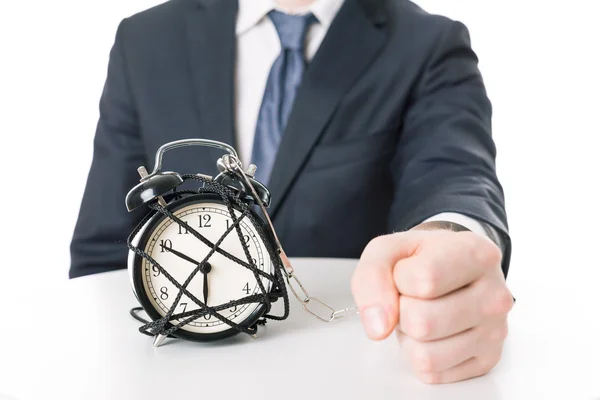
pixel 184 143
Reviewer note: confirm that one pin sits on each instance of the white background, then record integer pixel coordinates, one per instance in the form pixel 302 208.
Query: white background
pixel 540 61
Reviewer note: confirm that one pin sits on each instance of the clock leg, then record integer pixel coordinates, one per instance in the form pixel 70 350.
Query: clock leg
pixel 159 339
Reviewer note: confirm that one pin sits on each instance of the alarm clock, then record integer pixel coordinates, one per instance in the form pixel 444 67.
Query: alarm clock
pixel 203 264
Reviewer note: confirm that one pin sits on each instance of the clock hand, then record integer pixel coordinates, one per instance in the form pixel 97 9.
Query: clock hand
pixel 205 288
pixel 180 255
pixel 205 269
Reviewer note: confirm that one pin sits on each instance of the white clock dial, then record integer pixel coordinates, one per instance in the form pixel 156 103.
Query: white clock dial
pixel 227 280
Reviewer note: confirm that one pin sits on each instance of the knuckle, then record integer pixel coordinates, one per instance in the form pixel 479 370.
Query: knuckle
pixel 502 302
pixel 481 367
pixel 473 244
pixel 499 333
pixel 422 359
pixel 497 301
pixel 431 378
pixel 428 282
pixel 486 364
pixel 375 245
pixel 487 253
pixel 418 326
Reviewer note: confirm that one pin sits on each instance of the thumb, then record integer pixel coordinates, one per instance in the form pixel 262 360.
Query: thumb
pixel 373 286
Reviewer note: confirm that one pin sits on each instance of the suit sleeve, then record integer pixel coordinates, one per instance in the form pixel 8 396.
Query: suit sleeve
pixel 445 161
pixel 103 224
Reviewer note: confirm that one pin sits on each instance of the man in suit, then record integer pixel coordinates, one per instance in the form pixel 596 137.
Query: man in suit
pixel 371 126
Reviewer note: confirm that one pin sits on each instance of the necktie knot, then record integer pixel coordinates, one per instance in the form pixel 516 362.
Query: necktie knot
pixel 292 28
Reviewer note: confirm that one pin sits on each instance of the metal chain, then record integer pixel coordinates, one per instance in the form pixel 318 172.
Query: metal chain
pixel 315 306
pixel 310 304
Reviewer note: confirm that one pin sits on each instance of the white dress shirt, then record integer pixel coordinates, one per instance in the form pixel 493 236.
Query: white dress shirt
pixel 258 46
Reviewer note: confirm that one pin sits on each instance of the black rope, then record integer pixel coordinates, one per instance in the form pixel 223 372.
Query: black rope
pixel 278 287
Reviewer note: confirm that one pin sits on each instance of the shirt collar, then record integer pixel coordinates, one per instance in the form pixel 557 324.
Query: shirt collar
pixel 251 12
pixel 325 10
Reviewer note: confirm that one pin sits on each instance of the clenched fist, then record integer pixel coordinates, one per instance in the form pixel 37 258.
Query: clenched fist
pixel 444 294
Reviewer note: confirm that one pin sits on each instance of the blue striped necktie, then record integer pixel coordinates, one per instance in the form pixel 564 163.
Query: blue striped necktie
pixel 284 79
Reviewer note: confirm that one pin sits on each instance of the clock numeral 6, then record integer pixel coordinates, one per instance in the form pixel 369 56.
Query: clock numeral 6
pixel 165 245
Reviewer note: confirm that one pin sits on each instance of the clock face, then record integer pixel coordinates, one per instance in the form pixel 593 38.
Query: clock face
pixel 179 253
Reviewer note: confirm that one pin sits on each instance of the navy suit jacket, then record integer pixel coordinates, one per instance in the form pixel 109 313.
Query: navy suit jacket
pixel 391 125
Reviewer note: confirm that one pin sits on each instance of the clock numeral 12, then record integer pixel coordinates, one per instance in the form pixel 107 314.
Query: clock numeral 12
pixel 204 220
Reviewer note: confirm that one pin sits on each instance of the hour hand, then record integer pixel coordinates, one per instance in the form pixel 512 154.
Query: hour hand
pixel 180 255
pixel 205 288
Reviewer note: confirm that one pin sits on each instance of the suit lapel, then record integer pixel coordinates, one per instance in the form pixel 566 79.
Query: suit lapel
pixel 210 28
pixel 352 42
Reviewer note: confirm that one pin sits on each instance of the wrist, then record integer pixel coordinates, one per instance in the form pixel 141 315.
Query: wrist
pixel 440 225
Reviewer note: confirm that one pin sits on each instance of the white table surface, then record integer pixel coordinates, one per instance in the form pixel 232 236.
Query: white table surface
pixel 81 343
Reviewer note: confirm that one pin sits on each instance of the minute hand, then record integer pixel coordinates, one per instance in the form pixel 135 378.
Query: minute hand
pixel 180 255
